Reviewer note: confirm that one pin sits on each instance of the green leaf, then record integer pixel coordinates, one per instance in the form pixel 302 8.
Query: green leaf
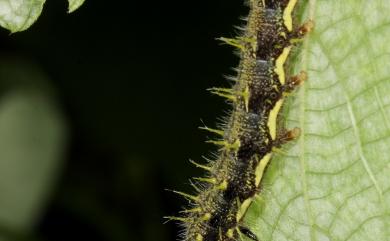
pixel 333 183
pixel 32 138
pixel 74 5
pixel 18 15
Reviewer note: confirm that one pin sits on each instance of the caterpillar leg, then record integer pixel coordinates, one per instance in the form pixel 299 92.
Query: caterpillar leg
pixel 305 28
pixel 299 34
pixel 295 81
pixel 287 136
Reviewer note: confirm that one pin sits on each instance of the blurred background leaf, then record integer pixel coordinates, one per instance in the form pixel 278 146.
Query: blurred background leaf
pixel 32 142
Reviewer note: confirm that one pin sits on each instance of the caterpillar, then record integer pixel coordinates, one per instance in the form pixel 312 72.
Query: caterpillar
pixel 248 139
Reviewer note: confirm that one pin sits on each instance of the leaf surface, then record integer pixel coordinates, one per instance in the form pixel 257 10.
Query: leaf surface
pixel 74 5
pixel 333 183
pixel 18 15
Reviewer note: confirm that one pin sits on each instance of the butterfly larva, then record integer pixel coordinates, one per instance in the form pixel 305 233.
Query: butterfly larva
pixel 251 132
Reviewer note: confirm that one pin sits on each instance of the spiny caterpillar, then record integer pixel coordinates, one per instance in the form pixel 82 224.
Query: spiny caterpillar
pixel 251 134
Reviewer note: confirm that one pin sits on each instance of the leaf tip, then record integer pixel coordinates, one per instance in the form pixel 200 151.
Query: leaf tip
pixel 74 5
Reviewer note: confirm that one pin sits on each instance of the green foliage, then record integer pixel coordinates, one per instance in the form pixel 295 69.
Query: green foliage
pixel 333 184
pixel 19 15
pixel 32 142
pixel 74 5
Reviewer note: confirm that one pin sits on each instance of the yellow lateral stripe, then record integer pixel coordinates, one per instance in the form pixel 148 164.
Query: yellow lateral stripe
pixel 272 118
pixel 199 237
pixel 206 217
pixel 230 233
pixel 223 185
pixel 279 69
pixel 244 206
pixel 287 14
pixel 261 167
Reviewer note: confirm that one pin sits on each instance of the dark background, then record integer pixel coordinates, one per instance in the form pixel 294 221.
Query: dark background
pixel 131 79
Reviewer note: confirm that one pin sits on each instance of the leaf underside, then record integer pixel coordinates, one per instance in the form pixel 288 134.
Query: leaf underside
pixel 333 183
pixel 19 15
pixel 74 5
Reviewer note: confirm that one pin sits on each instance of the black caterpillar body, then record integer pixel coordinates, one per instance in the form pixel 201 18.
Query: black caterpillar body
pixel 248 140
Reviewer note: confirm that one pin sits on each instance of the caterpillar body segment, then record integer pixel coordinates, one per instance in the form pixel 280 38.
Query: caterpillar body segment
pixel 252 131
